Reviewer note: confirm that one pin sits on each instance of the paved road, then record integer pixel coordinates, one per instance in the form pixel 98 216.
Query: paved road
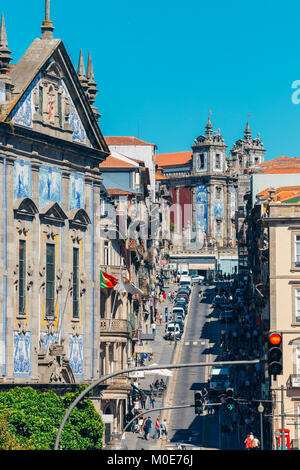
pixel 199 345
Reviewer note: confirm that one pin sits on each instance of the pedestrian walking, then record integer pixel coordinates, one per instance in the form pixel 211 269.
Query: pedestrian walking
pixel 141 424
pixel 248 442
pixel 255 443
pixel 152 400
pixel 147 428
pixel 143 401
pixel 157 428
pixel 164 430
pixel 153 326
pixel 136 406
pixel 160 319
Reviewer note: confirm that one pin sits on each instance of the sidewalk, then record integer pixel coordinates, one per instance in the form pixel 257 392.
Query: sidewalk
pixel 163 352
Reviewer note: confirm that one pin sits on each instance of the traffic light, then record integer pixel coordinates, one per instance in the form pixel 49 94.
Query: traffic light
pixel 275 354
pixel 198 403
pixel 229 399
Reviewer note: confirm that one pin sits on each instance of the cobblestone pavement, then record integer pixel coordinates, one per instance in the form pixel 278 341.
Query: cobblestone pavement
pixel 163 352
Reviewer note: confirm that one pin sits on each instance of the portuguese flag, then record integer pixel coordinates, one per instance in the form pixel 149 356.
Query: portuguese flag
pixel 107 281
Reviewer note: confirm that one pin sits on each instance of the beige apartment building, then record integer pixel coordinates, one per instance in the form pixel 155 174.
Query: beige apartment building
pixel 276 229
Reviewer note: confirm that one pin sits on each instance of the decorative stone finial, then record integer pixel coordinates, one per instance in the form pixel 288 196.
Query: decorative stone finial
pixel 5 57
pixel 92 91
pixel 81 73
pixel 247 133
pixel 47 26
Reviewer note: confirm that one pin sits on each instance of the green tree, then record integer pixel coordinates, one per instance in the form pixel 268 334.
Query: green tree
pixel 29 419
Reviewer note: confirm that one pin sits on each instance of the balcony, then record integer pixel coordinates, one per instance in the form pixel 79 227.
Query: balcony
pixel 113 327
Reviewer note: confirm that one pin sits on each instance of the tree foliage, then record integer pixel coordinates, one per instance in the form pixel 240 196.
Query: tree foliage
pixel 29 419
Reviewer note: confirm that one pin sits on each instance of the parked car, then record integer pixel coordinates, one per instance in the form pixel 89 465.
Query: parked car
pixel 178 310
pixel 183 295
pixel 184 306
pixel 184 290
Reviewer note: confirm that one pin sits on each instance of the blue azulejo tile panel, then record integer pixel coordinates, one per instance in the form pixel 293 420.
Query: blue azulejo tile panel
pixel 23 112
pixel 76 355
pixel 76 191
pixel 202 208
pixel 50 185
pixel 22 354
pixel 79 134
pixel 47 340
pixel 22 179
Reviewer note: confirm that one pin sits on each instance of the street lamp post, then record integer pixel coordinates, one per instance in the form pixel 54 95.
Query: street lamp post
pixel 261 409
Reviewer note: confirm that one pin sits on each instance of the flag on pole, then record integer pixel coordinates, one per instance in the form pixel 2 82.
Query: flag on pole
pixel 106 280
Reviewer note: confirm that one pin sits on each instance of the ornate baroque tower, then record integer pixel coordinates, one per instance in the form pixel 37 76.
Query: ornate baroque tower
pixel 214 192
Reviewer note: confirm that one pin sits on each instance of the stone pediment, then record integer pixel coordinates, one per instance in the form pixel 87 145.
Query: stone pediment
pixel 25 207
pixel 52 212
pixel 79 218
pixel 48 97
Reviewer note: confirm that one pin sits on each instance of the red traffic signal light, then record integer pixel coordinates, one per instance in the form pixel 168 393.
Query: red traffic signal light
pixel 275 339
pixel 275 358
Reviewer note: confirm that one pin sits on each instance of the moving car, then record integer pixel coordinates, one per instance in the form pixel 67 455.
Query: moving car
pixel 181 325
pixel 172 331
pixel 219 379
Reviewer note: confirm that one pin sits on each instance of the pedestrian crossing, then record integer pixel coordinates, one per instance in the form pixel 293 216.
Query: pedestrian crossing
pixel 195 343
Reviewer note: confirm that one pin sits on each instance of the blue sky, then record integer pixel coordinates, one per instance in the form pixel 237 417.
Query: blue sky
pixel 162 65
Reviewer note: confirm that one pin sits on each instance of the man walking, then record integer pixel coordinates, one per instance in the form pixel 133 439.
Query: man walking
pixel 147 427
pixel 164 431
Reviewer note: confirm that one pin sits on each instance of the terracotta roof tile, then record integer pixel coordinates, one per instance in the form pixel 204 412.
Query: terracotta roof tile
pixel 118 192
pixel 125 140
pixel 175 158
pixel 282 164
pixel 113 162
pixel 282 194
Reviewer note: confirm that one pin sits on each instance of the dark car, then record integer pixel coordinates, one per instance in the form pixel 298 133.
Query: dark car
pixel 182 300
pixel 185 296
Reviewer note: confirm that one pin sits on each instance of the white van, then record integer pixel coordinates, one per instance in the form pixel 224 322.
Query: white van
pixel 219 379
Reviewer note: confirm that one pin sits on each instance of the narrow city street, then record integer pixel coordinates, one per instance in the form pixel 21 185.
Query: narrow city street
pixel 200 343
pixel 201 334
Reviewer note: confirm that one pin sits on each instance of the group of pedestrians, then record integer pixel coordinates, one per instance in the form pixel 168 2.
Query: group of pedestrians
pixel 252 442
pixel 145 426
